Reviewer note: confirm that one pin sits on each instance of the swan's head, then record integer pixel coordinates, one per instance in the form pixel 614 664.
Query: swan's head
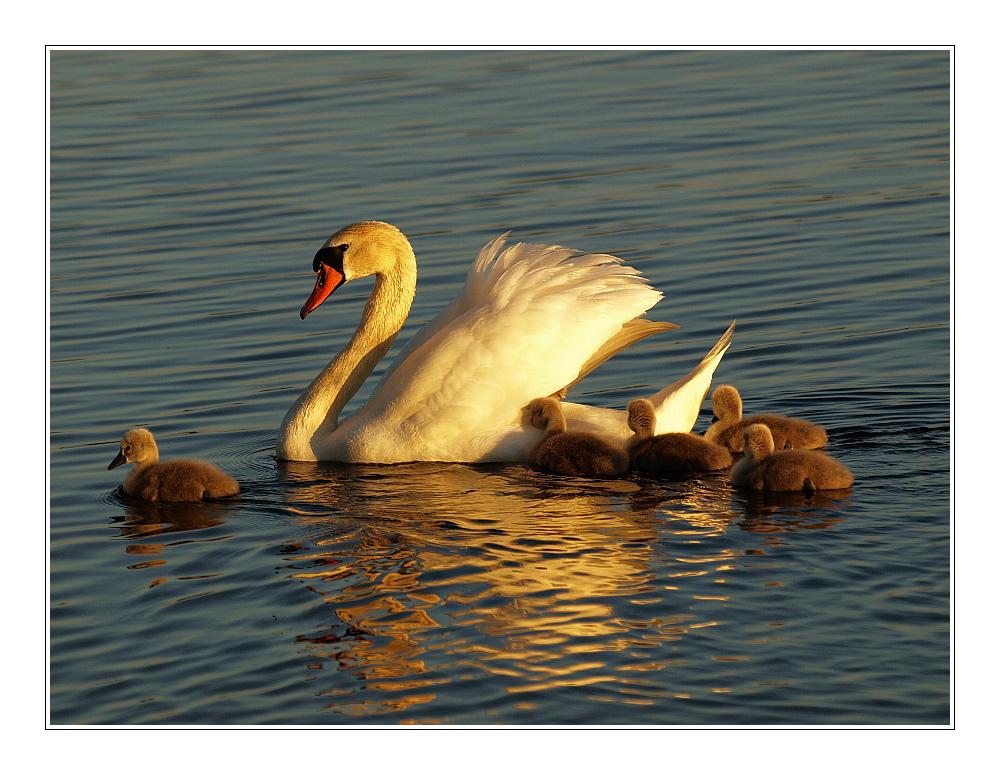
pixel 642 417
pixel 137 446
pixel 727 404
pixel 358 250
pixel 758 442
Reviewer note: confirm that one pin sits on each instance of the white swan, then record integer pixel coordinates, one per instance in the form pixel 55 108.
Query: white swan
pixel 531 320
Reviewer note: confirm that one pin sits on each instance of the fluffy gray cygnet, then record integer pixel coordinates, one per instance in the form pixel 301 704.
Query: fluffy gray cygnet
pixel 571 453
pixel 174 480
pixel 669 453
pixel 729 424
pixel 787 470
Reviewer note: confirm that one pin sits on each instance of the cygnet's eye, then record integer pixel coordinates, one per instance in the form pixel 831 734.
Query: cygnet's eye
pixel 128 448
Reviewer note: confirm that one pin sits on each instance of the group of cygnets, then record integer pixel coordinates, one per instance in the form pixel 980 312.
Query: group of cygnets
pixel 780 454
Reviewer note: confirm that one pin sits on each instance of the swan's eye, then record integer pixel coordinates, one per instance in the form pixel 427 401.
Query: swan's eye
pixel 128 448
pixel 332 256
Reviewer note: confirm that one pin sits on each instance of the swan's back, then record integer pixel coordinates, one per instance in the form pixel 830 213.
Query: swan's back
pixel 528 320
pixel 676 453
pixel 578 453
pixel 787 431
pixel 787 470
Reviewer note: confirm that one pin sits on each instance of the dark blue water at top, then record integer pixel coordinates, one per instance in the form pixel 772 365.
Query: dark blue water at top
pixel 805 195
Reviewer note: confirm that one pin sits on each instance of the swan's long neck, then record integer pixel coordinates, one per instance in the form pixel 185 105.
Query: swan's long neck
pixel 315 414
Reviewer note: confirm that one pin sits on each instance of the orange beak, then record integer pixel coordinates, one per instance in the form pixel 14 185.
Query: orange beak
pixel 328 280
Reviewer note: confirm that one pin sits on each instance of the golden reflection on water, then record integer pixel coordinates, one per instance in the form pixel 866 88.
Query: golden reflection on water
pixel 559 572
pixel 409 555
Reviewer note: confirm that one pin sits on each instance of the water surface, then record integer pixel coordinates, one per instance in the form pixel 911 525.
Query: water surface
pixel 803 194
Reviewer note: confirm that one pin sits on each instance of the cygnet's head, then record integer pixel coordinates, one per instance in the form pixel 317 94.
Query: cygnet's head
pixel 137 446
pixel 540 411
pixel 759 443
pixel 642 417
pixel 727 404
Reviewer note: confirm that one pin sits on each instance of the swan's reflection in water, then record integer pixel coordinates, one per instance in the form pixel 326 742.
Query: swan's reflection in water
pixel 533 580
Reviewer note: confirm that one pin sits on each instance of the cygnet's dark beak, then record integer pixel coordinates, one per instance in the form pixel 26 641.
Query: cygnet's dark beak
pixel 119 460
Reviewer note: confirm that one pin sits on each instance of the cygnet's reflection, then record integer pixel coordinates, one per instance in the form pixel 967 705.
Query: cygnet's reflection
pixel 153 518
pixel 785 512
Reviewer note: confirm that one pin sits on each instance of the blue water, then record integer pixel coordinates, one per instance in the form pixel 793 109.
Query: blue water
pixel 805 194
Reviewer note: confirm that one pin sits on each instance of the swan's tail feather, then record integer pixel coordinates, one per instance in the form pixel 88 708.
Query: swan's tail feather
pixel 677 405
pixel 630 333
pixel 478 278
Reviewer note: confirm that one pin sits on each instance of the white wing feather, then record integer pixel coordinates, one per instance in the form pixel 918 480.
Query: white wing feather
pixel 524 325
